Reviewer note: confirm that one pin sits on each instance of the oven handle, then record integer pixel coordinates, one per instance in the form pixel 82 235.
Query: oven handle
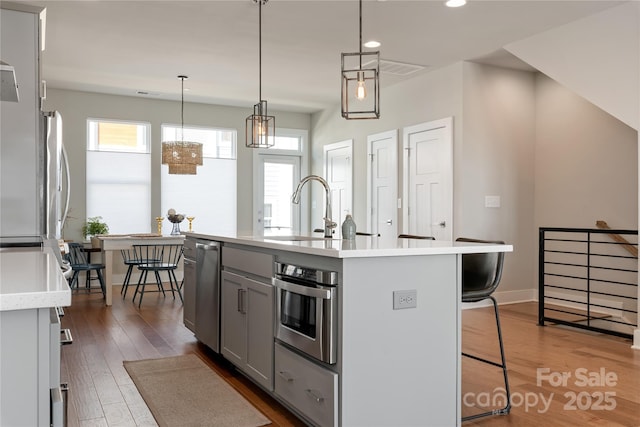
pixel 303 290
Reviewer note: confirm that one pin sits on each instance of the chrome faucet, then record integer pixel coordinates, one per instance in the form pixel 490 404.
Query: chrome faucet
pixel 295 198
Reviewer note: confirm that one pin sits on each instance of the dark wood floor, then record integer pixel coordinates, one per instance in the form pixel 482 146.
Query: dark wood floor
pixel 102 394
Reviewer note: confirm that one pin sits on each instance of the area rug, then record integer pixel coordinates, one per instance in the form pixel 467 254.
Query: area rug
pixel 183 391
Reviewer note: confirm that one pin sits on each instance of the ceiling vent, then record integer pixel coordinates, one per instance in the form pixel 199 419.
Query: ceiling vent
pixel 398 68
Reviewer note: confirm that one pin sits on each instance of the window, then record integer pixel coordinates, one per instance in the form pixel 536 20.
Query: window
pixel 118 175
pixel 210 195
pixel 287 142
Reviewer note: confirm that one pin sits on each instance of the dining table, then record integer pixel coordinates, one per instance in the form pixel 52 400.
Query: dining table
pixel 110 243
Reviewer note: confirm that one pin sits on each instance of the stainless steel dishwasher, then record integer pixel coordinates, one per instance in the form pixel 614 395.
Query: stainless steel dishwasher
pixel 189 284
pixel 207 325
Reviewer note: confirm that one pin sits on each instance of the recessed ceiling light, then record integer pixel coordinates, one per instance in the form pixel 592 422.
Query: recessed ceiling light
pixel 456 3
pixel 372 44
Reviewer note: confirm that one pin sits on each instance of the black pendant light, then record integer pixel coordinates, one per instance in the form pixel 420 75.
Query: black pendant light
pixel 261 127
pixel 360 92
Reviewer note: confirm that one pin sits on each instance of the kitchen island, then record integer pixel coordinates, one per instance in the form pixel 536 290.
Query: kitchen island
pixel 396 365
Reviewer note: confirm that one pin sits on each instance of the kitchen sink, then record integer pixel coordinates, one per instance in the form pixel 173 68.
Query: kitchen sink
pixel 295 238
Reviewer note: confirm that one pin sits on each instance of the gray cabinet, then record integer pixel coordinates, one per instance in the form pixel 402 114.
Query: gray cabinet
pixel 234 321
pixel 30 368
pixel 310 388
pixel 20 134
pixel 247 315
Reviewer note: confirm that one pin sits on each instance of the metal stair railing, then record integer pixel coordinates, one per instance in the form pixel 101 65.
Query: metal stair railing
pixel 588 279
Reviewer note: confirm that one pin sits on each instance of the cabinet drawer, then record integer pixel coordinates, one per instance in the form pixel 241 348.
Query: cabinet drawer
pixel 310 388
pixel 248 261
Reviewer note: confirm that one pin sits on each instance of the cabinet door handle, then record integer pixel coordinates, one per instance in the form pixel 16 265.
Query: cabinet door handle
pixel 287 376
pixel 241 303
pixel 314 394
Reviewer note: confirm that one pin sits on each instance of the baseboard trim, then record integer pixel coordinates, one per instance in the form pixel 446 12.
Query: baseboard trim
pixel 503 298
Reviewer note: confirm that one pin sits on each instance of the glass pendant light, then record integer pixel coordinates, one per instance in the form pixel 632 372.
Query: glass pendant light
pixel 182 157
pixel 360 92
pixel 260 126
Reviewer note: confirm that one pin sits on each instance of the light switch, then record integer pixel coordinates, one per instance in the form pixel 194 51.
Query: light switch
pixel 491 201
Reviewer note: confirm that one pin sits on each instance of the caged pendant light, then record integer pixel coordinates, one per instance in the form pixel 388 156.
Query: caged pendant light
pixel 261 127
pixel 182 157
pixel 360 92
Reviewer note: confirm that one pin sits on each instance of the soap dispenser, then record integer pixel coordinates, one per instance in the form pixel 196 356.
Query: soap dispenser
pixel 348 228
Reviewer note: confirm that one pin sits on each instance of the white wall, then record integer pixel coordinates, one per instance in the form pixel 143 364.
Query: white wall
pixel 586 163
pixel 76 107
pixel 596 57
pixel 494 158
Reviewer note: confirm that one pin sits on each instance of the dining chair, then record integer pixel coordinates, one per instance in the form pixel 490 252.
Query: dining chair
pixel 77 258
pixel 160 257
pixel 130 260
pixel 481 274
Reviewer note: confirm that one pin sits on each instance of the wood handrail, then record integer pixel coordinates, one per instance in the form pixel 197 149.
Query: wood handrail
pixel 632 249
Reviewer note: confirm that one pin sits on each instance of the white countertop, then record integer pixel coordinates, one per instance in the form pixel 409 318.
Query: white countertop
pixel 361 247
pixel 32 279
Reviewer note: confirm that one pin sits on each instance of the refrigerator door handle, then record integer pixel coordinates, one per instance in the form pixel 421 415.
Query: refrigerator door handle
pixel 65 161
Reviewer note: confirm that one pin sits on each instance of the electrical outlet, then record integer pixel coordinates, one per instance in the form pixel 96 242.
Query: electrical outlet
pixel 405 299
pixel 491 201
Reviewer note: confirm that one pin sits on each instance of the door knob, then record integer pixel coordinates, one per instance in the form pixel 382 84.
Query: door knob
pixel 442 224
pixel 389 222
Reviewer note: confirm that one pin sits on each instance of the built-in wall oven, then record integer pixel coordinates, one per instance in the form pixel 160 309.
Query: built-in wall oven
pixel 307 310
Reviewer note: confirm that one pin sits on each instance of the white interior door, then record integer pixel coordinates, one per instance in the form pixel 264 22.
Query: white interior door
pixel 338 169
pixel 382 183
pixel 428 184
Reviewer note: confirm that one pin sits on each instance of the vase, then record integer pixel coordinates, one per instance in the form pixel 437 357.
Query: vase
pixel 348 228
pixel 175 231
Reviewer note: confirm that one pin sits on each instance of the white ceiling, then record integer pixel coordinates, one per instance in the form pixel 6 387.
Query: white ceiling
pixel 122 47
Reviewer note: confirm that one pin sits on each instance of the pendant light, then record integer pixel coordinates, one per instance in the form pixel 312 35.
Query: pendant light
pixel 183 157
pixel 261 127
pixel 360 93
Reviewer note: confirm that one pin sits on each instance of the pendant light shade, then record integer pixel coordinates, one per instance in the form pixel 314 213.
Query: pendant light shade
pixel 182 157
pixel 260 126
pixel 360 76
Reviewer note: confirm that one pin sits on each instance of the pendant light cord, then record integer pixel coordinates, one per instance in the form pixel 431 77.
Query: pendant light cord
pixel 360 40
pixel 182 109
pixel 260 51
